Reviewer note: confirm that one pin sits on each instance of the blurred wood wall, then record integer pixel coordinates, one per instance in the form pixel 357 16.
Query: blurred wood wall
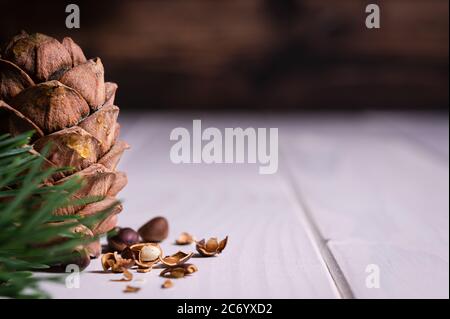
pixel 259 54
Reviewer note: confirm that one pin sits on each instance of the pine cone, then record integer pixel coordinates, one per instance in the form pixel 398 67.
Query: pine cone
pixel 50 87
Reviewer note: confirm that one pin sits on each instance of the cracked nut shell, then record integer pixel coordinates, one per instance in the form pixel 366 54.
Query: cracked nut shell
pixel 211 247
pixel 115 262
pixel 185 239
pixel 146 254
pixel 176 259
pixel 179 271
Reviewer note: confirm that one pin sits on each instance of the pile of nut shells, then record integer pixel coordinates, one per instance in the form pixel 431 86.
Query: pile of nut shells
pixel 141 251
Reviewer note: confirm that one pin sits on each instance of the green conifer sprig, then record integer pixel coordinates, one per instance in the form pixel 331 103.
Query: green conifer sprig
pixel 27 222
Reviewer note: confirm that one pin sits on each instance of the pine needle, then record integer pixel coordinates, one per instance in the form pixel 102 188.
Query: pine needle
pixel 26 208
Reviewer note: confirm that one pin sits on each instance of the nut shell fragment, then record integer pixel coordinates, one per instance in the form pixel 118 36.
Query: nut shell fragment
pixel 222 244
pixel 115 262
pixel 127 275
pixel 167 284
pixel 146 254
pixel 175 272
pixel 190 268
pixel 179 271
pixel 176 259
pixel 149 253
pixel 105 260
pixel 184 239
pixel 211 247
pixel 131 289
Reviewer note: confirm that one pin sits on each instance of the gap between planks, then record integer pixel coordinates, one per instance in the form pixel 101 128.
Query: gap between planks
pixel 337 279
pixel 318 241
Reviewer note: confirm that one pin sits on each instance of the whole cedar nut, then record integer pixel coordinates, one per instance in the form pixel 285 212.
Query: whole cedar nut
pixel 125 237
pixel 155 230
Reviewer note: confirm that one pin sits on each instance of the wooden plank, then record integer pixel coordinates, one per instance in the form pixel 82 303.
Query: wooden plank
pixel 270 254
pixel 377 197
pixel 427 130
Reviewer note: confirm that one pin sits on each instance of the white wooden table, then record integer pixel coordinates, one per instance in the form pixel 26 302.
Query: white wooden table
pixel 351 191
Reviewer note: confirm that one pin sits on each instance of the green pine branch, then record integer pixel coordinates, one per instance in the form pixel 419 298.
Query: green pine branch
pixel 27 224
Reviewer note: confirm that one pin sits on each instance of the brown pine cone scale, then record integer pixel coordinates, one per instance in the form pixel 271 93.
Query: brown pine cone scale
pixel 50 87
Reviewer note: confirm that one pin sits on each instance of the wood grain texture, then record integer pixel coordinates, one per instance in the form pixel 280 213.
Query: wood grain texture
pixel 269 254
pixel 370 189
pixel 378 197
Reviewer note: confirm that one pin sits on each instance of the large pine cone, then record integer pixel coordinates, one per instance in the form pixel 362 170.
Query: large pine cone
pixel 50 87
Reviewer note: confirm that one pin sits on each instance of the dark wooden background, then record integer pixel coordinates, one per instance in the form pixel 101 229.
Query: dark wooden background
pixel 257 54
